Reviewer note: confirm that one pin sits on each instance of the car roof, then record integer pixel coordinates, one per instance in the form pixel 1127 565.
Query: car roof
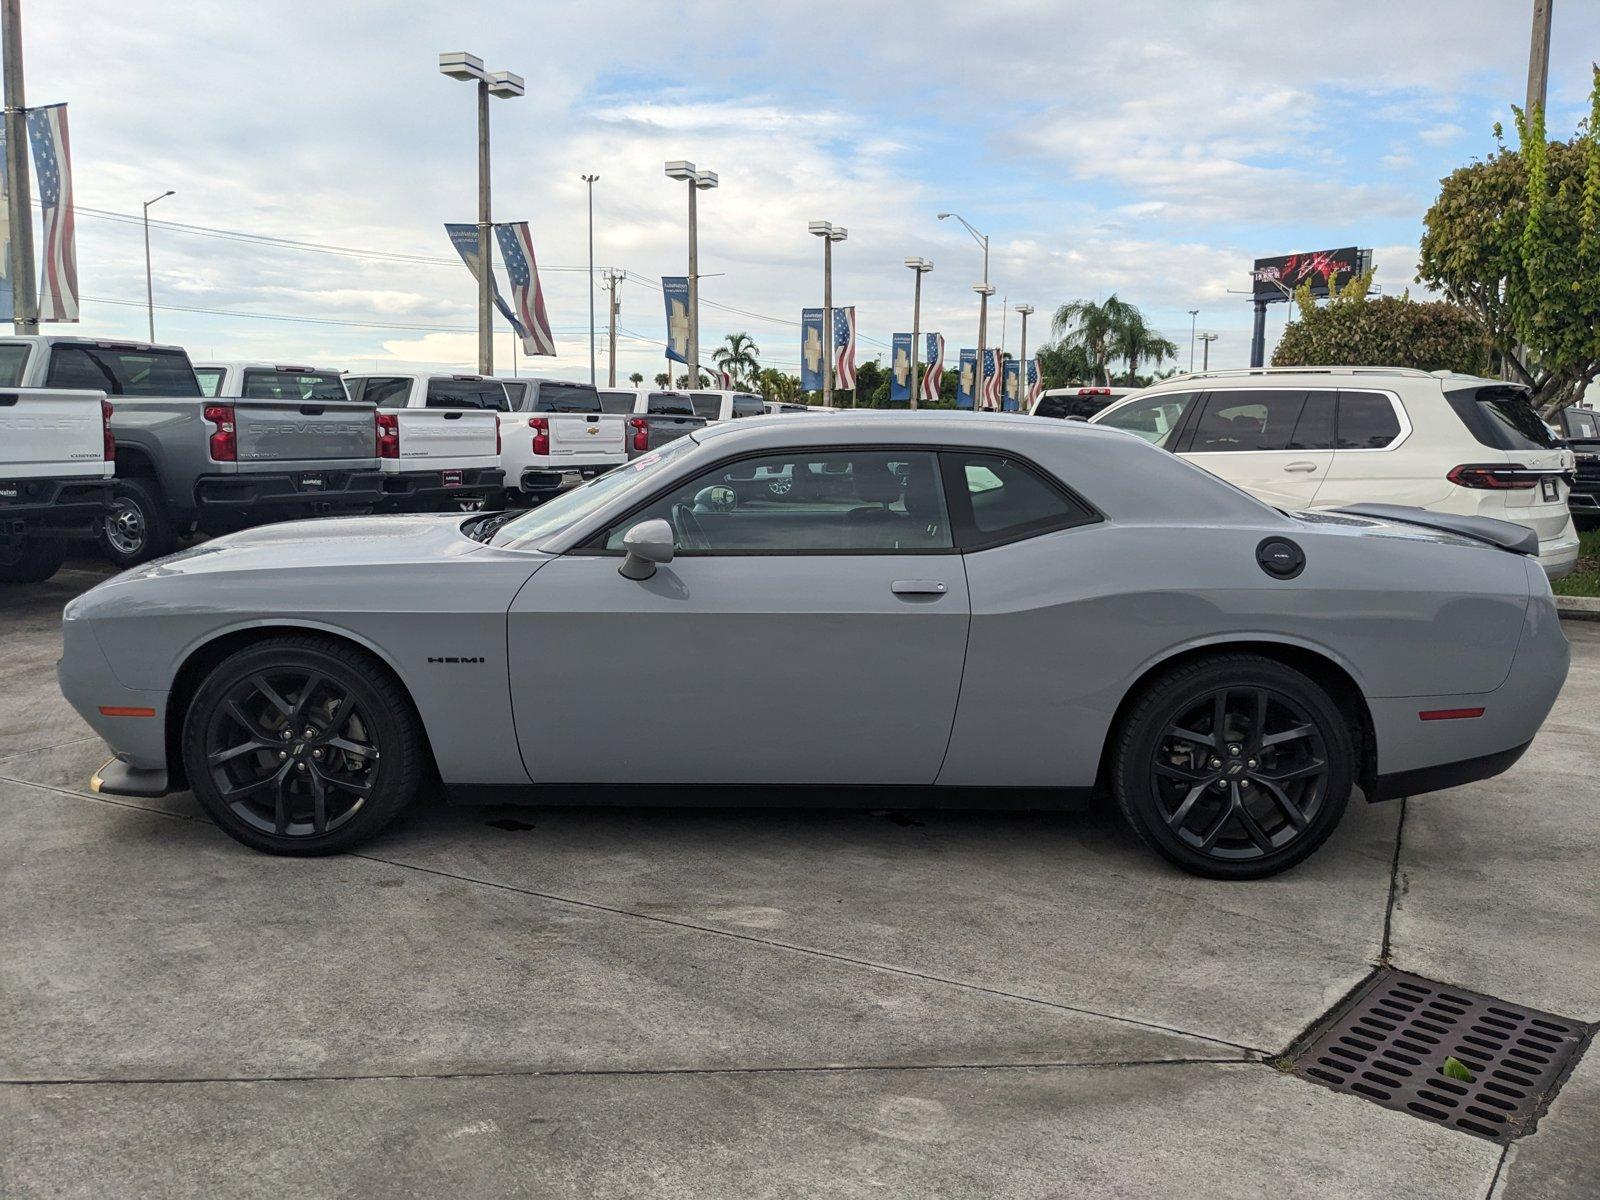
pixel 955 428
pixel 242 365
pixel 1250 377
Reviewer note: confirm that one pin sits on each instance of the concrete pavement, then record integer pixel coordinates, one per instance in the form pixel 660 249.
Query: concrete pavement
pixel 749 1002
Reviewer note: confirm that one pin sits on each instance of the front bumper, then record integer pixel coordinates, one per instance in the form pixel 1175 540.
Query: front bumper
pixel 67 508
pixel 311 492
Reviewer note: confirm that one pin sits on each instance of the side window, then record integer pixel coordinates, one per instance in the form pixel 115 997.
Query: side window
pixel 707 405
pixel 387 393
pixel 13 359
pixel 748 406
pixel 1314 429
pixel 1366 421
pixel 997 499
pixel 1254 419
pixel 669 404
pixel 210 380
pixel 617 402
pixel 867 501
pixel 1154 418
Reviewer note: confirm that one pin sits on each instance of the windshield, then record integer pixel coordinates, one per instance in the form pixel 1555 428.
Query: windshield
pixel 290 385
pixel 567 398
pixel 534 526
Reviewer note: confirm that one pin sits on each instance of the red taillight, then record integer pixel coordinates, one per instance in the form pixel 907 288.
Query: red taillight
pixel 497 442
pixel 388 435
pixel 1450 714
pixel 1493 476
pixel 541 434
pixel 1094 391
pixel 108 443
pixel 641 433
pixel 224 442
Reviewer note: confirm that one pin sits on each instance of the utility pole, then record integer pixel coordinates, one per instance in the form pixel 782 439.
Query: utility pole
pixel 613 278
pixel 589 179
pixel 1538 57
pixel 921 266
pixel 1194 315
pixel 149 287
pixel 24 289
pixel 1206 339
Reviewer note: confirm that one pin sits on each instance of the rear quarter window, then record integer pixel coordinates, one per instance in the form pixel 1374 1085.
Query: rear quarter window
pixel 1367 421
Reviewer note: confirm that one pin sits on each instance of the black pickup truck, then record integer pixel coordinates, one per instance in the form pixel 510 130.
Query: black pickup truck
pixel 1581 426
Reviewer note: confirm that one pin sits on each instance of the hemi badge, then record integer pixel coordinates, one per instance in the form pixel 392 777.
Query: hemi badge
pixel 1450 714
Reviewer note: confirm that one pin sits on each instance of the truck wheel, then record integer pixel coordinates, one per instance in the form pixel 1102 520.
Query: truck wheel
pixel 137 527
pixel 31 559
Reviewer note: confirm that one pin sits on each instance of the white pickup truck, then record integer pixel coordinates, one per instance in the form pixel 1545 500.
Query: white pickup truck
pixel 438 438
pixel 716 406
pixel 57 459
pixel 557 433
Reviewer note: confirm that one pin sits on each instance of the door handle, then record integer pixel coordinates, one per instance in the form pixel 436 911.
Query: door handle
pixel 918 587
pixel 1300 466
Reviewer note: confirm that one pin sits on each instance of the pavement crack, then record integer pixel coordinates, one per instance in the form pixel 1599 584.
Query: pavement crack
pixel 1499 1169
pixel 99 799
pixel 10 754
pixel 580 1073
pixel 814 952
pixel 1394 884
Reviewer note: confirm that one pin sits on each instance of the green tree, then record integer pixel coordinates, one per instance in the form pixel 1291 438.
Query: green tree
pixel 1515 240
pixel 739 359
pixel 1394 331
pixel 870 379
pixel 637 379
pixel 663 379
pixel 1107 331
pixel 1134 342
pixel 1062 365
pixel 778 385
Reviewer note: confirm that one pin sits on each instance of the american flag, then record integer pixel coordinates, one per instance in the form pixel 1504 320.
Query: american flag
pixel 52 159
pixel 725 381
pixel 1035 382
pixel 527 298
pixel 935 369
pixel 991 379
pixel 844 341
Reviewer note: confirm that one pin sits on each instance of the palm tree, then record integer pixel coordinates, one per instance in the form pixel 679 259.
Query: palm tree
pixel 1135 341
pixel 1093 328
pixel 738 357
pixel 637 378
pixel 663 379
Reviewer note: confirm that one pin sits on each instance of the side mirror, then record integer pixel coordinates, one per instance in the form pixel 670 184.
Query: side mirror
pixel 649 543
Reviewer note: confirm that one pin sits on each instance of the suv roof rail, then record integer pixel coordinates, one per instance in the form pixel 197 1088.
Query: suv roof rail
pixel 1237 372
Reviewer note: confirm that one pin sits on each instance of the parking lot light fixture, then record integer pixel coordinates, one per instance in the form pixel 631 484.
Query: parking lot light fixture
pixel 1025 310
pixel 504 85
pixel 149 287
pixel 921 266
pixel 698 181
pixel 983 290
pixel 829 233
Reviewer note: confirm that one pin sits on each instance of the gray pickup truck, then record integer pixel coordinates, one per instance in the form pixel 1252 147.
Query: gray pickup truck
pixel 185 461
pixel 655 417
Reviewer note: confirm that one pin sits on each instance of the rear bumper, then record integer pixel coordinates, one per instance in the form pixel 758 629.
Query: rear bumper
pixel 1559 555
pixel 309 491
pixel 544 480
pixel 418 486
pixel 68 508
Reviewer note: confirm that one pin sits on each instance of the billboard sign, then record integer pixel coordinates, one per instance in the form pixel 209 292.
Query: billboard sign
pixel 1275 278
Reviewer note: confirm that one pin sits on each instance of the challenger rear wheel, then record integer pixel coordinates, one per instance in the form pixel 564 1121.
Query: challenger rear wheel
pixel 302 745
pixel 1234 767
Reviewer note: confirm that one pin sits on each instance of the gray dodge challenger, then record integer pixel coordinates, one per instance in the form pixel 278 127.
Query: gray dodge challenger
pixel 890 609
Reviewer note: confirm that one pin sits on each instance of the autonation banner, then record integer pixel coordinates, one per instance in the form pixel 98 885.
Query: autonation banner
pixel 900 369
pixel 967 378
pixel 675 288
pixel 811 349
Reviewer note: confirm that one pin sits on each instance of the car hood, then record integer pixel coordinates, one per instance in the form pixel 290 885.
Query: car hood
pixel 323 543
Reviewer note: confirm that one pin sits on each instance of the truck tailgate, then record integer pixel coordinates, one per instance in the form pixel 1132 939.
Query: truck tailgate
pixel 586 434
pixel 287 431
pixel 54 433
pixel 449 437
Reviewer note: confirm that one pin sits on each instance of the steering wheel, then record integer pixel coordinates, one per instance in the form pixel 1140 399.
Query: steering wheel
pixel 689 527
pixel 716 498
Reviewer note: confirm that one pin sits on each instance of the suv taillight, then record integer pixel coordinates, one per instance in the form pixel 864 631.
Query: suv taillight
pixel 641 433
pixel 541 434
pixel 224 442
pixel 1493 477
pixel 388 435
pixel 108 443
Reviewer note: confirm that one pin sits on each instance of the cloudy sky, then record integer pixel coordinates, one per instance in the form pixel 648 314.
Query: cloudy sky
pixel 1150 149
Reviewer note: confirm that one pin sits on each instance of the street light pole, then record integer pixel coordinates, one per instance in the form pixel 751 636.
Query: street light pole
pixel 829 233
pixel 504 85
pixel 984 292
pixel 698 181
pixel 1539 56
pixel 589 179
pixel 1205 340
pixel 149 287
pixel 24 293
pixel 1194 315
pixel 921 266
pixel 1022 359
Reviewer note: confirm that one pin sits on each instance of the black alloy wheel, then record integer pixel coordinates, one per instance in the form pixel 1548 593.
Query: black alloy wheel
pixel 302 745
pixel 1235 767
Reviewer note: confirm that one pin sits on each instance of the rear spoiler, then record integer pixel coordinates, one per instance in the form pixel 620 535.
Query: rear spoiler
pixel 1507 535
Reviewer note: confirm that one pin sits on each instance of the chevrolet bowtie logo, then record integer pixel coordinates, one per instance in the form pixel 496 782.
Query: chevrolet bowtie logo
pixel 593 431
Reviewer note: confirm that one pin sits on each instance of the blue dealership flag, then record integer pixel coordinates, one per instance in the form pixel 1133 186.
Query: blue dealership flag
pixel 1009 402
pixel 465 239
pixel 675 289
pixel 811 349
pixel 967 378
pixel 900 369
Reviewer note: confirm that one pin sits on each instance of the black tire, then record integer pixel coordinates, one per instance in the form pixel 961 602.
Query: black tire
pixel 1266 794
pixel 364 756
pixel 31 559
pixel 137 528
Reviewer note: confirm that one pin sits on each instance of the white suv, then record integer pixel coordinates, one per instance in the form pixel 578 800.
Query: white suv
pixel 1323 437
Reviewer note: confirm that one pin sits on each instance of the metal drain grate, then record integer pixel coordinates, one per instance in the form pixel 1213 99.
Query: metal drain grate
pixel 1389 1042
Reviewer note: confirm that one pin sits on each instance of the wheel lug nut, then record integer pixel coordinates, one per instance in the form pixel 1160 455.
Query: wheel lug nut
pixel 1215 763
pixel 1244 783
pixel 300 766
pixel 311 733
pixel 1233 750
pixel 283 754
pixel 1251 764
pixel 1222 785
pixel 316 754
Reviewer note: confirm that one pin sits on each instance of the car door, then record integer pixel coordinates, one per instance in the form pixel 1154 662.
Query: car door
pixel 1276 444
pixel 813 635
pixel 1374 461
